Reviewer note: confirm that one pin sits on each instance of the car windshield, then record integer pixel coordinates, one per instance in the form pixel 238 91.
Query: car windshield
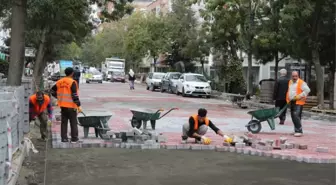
pixel 196 78
pixel 175 76
pixel 117 73
pixel 96 73
pixel 158 76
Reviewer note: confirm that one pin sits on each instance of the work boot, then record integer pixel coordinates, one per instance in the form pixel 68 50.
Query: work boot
pixel 198 141
pixel 65 140
pixel 75 140
pixel 282 122
pixel 298 134
pixel 184 140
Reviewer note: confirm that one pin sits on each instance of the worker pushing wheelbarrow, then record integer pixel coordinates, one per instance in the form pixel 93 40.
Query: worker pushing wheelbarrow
pixel 259 116
pixel 142 116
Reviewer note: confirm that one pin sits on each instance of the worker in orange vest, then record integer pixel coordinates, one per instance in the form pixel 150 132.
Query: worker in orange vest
pixel 66 92
pixel 39 106
pixel 198 126
pixel 297 93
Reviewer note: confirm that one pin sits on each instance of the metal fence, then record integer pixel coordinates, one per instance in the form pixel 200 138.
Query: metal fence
pixel 14 122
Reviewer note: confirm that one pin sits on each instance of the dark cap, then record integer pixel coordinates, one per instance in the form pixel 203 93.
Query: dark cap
pixel 202 112
pixel 68 71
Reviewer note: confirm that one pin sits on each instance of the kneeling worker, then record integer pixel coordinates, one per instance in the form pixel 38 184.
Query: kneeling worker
pixel 198 126
pixel 39 106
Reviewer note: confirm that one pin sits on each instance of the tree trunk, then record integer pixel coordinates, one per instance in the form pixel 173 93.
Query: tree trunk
pixel 332 86
pixel 17 43
pixel 249 73
pixel 308 73
pixel 37 73
pixel 319 77
pixel 276 68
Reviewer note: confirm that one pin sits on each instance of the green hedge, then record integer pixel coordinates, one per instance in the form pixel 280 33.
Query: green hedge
pixel 4 67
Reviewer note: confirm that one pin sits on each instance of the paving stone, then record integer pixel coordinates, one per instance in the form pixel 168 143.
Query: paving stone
pixel 292 157
pixel 130 141
pixel 239 150
pixel 183 147
pixel 150 142
pixel 116 140
pixel 322 149
pixel 269 142
pixel 226 144
pixel 332 161
pixel 283 146
pixel 136 146
pixel 299 159
pixel 267 154
pixel 296 146
pixel 170 147
pixel 162 146
pixel 86 145
pixel 285 157
pixel 240 145
pixel 283 140
pixel 143 146
pixel 162 139
pixel 220 148
pixel 254 145
pixel 128 145
pixel 196 147
pixel 156 146
pixel 207 147
pixel 102 145
pixel 232 149
pixel 253 152
pixel 114 145
pixel 276 155
pixel 263 143
pixel 122 145
pixel 289 145
pixel 247 151
pixel 303 147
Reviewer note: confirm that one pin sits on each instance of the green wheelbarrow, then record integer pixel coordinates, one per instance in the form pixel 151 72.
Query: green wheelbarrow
pixel 96 120
pixel 259 116
pixel 142 116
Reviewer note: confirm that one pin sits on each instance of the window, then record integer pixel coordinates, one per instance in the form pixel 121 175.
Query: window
pixel 196 78
pixel 158 76
pixel 174 76
pixel 181 78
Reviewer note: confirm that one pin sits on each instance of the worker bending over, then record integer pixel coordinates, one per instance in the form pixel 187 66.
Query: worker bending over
pixel 66 92
pixel 198 126
pixel 39 106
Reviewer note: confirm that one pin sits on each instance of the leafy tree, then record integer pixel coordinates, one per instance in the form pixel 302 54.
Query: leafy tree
pixel 69 51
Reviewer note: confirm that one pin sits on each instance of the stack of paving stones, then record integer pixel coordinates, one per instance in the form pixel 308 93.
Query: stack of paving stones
pixel 5 109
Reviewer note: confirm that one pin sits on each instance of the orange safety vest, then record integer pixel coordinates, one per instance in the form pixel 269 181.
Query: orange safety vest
pixel 38 109
pixel 206 120
pixel 302 101
pixel 64 96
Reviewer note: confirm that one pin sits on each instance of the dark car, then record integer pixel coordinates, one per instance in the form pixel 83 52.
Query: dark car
pixel 118 76
pixel 169 82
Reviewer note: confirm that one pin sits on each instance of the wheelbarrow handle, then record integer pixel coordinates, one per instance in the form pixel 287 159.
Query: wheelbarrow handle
pixel 168 112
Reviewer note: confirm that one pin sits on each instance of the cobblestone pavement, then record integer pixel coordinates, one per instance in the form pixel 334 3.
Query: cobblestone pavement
pixel 118 99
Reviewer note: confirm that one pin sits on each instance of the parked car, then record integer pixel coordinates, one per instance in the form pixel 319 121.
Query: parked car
pixel 153 80
pixel 191 84
pixel 118 76
pixel 94 76
pixel 169 82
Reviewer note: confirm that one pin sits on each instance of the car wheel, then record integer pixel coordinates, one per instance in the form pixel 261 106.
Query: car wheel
pixel 87 81
pixel 147 88
pixel 152 88
pixel 161 89
pixel 177 92
pixel 169 89
pixel 183 94
pixel 100 82
pixel 208 96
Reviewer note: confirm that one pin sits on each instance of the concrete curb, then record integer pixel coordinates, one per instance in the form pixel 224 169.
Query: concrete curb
pixel 197 147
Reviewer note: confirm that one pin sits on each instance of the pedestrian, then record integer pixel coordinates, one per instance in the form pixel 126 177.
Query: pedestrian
pixel 297 93
pixel 131 79
pixel 279 95
pixel 77 75
pixel 66 92
pixel 198 126
pixel 39 107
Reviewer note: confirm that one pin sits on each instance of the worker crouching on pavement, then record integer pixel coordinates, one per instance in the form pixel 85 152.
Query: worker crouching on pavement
pixel 39 106
pixel 297 93
pixel 198 126
pixel 66 92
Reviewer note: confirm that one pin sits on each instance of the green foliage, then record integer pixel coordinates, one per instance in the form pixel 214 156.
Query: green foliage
pixel 120 9
pixel 69 51
pixel 4 65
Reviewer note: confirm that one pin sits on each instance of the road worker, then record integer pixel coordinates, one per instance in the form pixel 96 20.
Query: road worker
pixel 66 92
pixel 198 126
pixel 297 93
pixel 39 106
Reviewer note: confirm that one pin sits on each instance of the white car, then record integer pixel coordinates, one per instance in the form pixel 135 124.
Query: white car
pixel 153 80
pixel 95 76
pixel 191 84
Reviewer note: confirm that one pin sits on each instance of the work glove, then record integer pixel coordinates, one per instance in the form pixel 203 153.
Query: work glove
pixel 227 139
pixel 79 110
pixel 205 140
pixel 49 122
pixel 297 97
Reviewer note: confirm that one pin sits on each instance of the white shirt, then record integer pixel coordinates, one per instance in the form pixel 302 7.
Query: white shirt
pixel 293 87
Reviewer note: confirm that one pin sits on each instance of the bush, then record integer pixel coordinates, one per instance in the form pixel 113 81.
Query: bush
pixel 4 65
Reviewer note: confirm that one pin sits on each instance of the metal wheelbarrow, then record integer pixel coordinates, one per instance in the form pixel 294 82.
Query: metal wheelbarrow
pixel 259 116
pixel 98 121
pixel 144 115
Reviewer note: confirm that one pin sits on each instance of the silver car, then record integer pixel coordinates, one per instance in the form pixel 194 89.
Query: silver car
pixel 169 82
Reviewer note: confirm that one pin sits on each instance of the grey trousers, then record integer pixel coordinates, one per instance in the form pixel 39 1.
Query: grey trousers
pixel 202 130
pixel 296 113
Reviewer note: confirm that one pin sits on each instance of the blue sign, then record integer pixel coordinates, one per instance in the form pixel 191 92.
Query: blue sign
pixel 63 65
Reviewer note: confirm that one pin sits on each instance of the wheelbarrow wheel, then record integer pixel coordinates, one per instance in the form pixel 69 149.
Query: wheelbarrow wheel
pixel 254 126
pixel 136 123
pixel 102 134
pixel 153 123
